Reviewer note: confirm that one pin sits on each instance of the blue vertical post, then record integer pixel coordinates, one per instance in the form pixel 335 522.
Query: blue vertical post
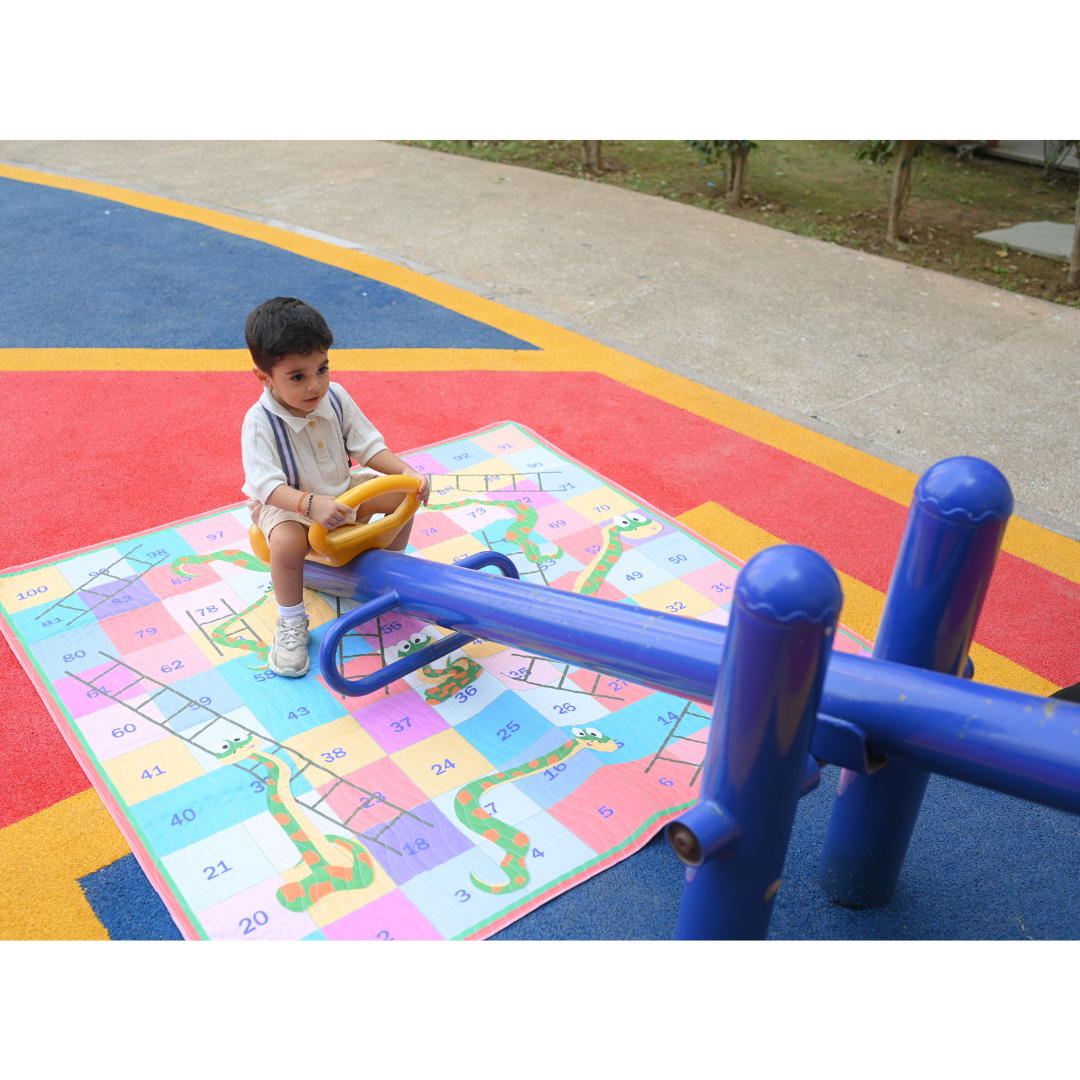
pixel 947 556
pixel 734 840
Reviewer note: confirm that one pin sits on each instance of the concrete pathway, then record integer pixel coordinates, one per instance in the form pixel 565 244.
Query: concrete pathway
pixel 908 364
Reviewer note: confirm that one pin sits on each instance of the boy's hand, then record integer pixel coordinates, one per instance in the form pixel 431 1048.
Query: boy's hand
pixel 425 484
pixel 328 512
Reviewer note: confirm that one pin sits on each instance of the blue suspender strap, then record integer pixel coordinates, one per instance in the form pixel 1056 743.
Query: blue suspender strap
pixel 284 446
pixel 335 401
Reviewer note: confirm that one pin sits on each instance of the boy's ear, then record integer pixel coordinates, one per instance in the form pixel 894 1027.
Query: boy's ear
pixel 261 376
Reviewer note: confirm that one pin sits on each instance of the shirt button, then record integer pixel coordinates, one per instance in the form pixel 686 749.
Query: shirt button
pixel 311 423
pixel 320 446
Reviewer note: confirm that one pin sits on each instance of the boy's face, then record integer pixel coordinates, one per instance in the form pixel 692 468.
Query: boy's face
pixel 298 382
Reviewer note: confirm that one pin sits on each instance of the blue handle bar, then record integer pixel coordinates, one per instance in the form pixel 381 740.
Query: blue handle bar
pixel 407 664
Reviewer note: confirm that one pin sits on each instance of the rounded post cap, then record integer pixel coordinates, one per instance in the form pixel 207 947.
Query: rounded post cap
pixel 790 585
pixel 965 490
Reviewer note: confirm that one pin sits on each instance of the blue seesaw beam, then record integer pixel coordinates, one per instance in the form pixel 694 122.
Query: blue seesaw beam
pixel 870 709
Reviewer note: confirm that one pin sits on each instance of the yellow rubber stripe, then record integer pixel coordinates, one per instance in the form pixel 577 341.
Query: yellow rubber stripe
pixel 863 604
pixel 42 857
pixel 563 350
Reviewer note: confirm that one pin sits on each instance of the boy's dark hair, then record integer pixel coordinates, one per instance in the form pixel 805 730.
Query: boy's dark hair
pixel 284 326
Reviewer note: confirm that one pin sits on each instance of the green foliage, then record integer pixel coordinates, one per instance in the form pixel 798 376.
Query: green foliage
pixel 712 149
pixel 881 151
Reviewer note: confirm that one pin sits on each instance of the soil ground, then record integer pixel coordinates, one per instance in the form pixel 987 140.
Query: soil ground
pixel 819 189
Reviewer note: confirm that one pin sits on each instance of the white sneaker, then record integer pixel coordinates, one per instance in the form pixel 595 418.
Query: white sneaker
pixel 289 656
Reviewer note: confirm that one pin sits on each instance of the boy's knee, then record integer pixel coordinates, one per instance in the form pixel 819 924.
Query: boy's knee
pixel 289 540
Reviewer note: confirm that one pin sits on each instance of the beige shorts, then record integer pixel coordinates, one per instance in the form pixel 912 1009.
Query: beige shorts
pixel 265 517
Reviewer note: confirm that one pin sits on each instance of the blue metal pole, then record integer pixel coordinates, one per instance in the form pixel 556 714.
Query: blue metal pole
pixel 947 556
pixel 734 840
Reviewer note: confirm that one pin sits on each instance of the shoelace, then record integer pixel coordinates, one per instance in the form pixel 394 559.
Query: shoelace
pixel 289 637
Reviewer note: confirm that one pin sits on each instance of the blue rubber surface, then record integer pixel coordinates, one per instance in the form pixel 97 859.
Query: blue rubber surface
pixel 78 271
pixel 980 866
pixel 125 902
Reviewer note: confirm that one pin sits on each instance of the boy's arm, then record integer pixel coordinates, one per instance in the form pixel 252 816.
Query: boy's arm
pixel 386 462
pixel 325 509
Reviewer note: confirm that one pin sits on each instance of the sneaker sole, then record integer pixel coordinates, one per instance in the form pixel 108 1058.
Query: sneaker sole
pixel 289 674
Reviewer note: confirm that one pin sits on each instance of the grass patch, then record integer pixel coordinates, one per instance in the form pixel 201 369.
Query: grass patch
pixel 818 189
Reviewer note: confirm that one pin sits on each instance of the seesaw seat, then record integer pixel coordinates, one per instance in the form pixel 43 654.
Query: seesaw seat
pixel 341 545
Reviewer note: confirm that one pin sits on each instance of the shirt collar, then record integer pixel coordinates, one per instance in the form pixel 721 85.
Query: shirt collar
pixel 323 410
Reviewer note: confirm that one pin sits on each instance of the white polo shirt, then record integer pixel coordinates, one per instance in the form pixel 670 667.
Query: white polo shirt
pixel 315 442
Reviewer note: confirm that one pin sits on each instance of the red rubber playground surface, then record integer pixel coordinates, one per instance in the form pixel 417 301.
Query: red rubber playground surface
pixel 107 436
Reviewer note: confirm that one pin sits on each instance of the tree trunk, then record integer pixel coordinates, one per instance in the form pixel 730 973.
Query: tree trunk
pixel 737 177
pixel 901 183
pixel 1074 263
pixel 590 155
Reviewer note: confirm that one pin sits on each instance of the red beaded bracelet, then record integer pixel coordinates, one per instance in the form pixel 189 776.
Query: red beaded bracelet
pixel 300 502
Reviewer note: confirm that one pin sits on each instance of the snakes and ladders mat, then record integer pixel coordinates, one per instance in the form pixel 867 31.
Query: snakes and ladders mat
pixel 444 806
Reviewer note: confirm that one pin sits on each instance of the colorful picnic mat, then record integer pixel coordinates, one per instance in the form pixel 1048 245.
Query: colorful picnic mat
pixel 265 807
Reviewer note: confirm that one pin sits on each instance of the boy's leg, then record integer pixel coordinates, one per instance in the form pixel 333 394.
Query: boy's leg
pixel 288 542
pixel 387 504
pixel 288 545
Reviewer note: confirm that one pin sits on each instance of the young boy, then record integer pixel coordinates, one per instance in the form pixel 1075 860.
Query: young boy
pixel 296 442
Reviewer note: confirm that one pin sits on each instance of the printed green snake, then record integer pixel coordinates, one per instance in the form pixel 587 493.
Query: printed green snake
pixel 443 682
pixel 513 841
pixel 327 864
pixel 518 532
pixel 219 634
pixel 611 548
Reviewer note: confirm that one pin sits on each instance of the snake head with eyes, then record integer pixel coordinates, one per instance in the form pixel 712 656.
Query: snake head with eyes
pixel 608 552
pixel 591 739
pixel 637 524
pixel 233 750
pixel 413 645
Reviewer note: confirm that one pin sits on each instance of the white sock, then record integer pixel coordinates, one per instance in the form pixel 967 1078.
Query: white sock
pixel 295 612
